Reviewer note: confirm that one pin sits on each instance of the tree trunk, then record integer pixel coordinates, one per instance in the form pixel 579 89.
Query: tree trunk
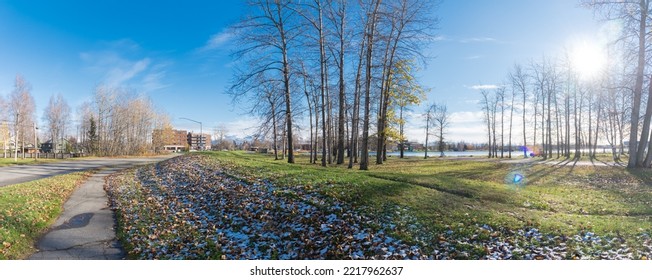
pixel 638 86
pixel 401 139
pixel 428 114
pixel 305 90
pixel 597 128
pixel 364 160
pixel 274 127
pixel 502 125
pixel 645 132
pixel 576 119
pixel 286 88
pixel 524 124
pixel 356 110
pixel 590 143
pixel 549 124
pixel 342 99
pixel 511 120
pixel 536 111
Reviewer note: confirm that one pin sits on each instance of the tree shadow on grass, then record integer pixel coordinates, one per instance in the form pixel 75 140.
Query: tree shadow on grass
pixel 643 174
pixel 549 169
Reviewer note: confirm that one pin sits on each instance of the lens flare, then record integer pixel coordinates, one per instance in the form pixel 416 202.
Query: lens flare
pixel 516 179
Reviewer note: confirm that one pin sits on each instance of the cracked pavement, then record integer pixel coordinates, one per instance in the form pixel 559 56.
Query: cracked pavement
pixel 86 228
pixel 94 241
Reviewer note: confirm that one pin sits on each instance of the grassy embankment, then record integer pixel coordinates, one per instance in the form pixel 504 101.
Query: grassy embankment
pixel 449 193
pixel 465 207
pixel 27 210
pixel 20 161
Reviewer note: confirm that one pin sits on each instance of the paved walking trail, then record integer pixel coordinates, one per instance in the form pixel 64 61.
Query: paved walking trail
pixel 86 228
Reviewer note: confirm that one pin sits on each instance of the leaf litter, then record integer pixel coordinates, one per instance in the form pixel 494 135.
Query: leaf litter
pixel 193 208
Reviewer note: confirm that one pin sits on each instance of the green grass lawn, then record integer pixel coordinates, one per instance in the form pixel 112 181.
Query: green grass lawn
pixel 445 192
pixel 449 208
pixel 20 161
pixel 27 210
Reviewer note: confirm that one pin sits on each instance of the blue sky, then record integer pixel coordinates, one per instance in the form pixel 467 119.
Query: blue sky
pixel 177 53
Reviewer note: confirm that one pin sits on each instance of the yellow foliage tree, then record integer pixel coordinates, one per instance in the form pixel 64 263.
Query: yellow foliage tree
pixel 404 92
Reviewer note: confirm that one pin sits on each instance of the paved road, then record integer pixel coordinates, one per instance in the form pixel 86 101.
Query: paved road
pixel 24 173
pixel 85 230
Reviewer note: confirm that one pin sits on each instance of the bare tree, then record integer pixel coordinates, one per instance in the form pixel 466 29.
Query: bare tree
pixel 337 14
pixel 488 103
pixel 407 25
pixel 118 122
pixel 356 105
pixel 266 38
pixel 21 110
pixel 429 115
pixel 500 99
pixel 441 122
pixel 314 17
pixel 4 126
pixel 57 116
pixel 519 83
pixel 370 31
pixel 634 16
pixel 540 78
pixel 313 110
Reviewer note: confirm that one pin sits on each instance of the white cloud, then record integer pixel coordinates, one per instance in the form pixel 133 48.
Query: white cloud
pixel 479 87
pixel 466 116
pixel 243 127
pixel 121 63
pixel 217 40
pixel 155 78
pixel 472 57
pixel 465 125
pixel 120 74
pixel 468 126
pixel 240 128
pixel 440 38
pixel 478 40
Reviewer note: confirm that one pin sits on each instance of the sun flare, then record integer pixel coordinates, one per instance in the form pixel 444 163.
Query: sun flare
pixel 588 60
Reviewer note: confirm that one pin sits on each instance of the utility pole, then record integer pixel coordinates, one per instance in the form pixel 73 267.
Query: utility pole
pixel 35 143
pixel 16 139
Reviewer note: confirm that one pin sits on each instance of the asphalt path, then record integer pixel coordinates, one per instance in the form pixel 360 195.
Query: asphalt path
pixel 16 174
pixel 85 230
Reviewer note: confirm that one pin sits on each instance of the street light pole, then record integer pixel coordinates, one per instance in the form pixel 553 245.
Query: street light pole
pixel 16 139
pixel 201 135
pixel 35 143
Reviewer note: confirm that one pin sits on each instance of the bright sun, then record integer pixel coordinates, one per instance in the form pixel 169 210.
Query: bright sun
pixel 588 60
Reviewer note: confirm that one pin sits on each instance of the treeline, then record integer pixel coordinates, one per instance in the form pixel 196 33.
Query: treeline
pixel 559 112
pixel 17 115
pixel 119 122
pixel 346 66
pixel 566 114
pixel 633 44
pixel 116 122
